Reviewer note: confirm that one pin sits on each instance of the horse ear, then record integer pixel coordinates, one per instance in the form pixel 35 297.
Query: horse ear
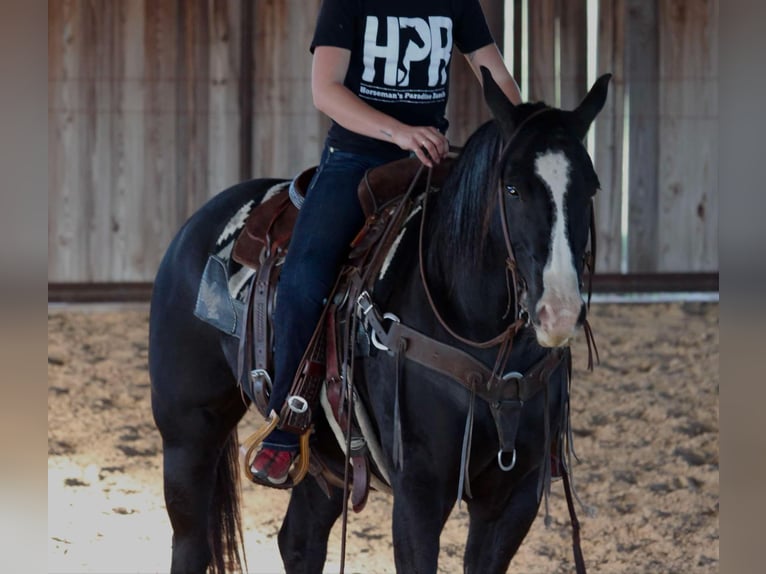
pixel 501 107
pixel 591 105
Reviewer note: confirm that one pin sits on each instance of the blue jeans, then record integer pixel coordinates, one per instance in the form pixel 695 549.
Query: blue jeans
pixel 328 221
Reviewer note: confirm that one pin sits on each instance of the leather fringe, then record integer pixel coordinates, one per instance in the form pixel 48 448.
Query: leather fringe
pixel 464 484
pixel 398 453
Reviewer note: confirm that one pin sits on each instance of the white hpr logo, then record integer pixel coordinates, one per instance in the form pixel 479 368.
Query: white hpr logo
pixel 425 40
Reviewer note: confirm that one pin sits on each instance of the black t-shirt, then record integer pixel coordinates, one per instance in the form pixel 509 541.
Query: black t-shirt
pixel 400 55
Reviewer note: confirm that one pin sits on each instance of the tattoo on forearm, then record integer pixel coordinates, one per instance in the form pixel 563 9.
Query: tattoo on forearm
pixel 387 134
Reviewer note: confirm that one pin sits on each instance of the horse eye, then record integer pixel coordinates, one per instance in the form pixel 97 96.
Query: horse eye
pixel 511 190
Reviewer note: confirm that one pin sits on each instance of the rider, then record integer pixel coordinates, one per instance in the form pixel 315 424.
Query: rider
pixel 381 73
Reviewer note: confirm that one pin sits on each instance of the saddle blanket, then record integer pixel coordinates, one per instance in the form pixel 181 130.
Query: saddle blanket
pixel 224 285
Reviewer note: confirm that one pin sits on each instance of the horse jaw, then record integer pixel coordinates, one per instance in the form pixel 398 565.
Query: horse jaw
pixel 557 313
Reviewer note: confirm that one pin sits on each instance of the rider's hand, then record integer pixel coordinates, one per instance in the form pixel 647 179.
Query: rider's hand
pixel 428 143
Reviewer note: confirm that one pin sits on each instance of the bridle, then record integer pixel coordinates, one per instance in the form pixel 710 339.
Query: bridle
pixel 518 288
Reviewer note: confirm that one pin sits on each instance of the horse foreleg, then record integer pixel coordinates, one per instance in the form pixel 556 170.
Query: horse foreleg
pixel 494 537
pixel 306 527
pixel 420 511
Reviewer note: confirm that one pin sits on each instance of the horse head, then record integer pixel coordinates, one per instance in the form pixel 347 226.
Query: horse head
pixel 545 182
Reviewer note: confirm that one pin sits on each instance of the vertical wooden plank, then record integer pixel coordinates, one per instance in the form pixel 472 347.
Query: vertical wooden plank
pixel 64 194
pixel 112 251
pixel 609 136
pixel 129 248
pixel 573 29
pixel 542 63
pixel 193 105
pixel 688 214
pixel 159 214
pixel 86 134
pixel 95 96
pixel 641 57
pixel 287 136
pixel 466 109
pixel 246 89
pixel 223 114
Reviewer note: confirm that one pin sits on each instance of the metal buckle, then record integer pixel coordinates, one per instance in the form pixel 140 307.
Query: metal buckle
pixel 297 404
pixel 364 301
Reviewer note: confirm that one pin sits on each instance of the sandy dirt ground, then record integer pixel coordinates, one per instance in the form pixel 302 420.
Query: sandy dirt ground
pixel 645 423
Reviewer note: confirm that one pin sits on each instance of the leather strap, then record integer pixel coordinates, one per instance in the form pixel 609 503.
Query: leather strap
pixel 502 338
pixel 260 313
pixel 360 485
pixel 576 547
pixel 436 355
pixel 357 454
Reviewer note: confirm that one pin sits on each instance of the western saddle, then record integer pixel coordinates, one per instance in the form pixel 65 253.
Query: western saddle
pixel 386 194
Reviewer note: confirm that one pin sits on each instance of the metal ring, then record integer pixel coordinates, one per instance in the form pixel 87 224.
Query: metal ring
pixel 500 461
pixel 512 375
pixel 374 337
pixel 297 404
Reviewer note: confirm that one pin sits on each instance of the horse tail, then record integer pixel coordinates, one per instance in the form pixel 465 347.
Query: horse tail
pixel 225 530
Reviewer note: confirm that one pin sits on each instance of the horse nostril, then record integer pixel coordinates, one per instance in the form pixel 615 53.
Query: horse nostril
pixel 543 314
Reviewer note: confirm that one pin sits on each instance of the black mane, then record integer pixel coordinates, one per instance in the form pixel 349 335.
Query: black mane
pixel 467 200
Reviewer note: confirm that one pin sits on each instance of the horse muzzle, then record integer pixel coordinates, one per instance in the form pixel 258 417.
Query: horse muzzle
pixel 557 321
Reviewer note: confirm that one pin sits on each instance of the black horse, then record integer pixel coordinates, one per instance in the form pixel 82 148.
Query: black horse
pixel 520 191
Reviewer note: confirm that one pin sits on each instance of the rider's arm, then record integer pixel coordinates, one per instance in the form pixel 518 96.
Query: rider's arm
pixel 343 106
pixel 489 57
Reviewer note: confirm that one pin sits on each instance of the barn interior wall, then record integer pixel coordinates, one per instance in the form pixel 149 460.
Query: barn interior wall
pixel 156 105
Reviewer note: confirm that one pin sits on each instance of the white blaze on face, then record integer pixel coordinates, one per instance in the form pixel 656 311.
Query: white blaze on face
pixel 560 304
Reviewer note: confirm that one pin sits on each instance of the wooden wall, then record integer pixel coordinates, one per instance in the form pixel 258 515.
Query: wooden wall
pixel 656 140
pixel 288 131
pixel 156 105
pixel 144 125
pixel 687 171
